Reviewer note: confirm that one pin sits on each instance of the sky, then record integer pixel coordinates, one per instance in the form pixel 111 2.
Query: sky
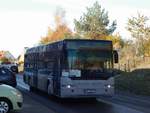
pixel 24 22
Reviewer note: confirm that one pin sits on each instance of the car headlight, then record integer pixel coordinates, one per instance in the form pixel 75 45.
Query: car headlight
pixel 17 93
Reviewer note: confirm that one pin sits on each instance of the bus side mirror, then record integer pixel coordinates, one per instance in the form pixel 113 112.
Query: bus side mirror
pixel 115 56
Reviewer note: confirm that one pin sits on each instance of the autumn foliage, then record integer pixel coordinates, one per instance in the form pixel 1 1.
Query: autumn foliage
pixel 61 31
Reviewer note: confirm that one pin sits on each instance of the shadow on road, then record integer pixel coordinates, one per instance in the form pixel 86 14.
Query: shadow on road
pixel 75 105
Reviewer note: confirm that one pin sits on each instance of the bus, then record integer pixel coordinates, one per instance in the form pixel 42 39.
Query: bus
pixel 72 68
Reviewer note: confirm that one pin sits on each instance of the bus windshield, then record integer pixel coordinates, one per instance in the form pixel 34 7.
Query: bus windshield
pixel 89 59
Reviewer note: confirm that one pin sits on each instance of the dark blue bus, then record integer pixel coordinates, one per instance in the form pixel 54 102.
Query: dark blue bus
pixel 72 68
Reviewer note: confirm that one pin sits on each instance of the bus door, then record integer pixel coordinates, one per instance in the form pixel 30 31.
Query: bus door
pixel 56 84
pixel 35 78
pixel 56 78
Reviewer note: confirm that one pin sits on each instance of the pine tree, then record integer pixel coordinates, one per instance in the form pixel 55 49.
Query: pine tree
pixel 94 24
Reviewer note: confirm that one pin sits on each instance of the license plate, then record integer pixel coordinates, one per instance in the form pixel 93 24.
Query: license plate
pixel 90 91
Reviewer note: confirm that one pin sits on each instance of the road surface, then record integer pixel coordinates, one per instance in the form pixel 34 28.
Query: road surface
pixel 37 102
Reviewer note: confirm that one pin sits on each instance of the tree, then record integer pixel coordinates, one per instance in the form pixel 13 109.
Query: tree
pixel 4 59
pixel 147 47
pixel 95 23
pixel 117 40
pixel 59 17
pixel 137 26
pixel 139 30
pixel 47 39
pixel 61 31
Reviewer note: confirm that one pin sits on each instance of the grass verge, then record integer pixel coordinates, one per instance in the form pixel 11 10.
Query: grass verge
pixel 137 82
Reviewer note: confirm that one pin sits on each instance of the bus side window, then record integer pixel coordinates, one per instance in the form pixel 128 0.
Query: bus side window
pixel 50 66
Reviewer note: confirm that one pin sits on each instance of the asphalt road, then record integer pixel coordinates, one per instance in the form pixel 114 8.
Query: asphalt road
pixel 38 102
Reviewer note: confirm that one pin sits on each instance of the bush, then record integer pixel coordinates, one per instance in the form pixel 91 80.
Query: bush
pixel 137 81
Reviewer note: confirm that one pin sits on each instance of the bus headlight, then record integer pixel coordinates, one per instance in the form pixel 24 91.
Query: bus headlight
pixel 109 86
pixel 68 86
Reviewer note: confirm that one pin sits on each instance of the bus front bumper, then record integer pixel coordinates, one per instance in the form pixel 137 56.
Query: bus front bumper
pixel 70 92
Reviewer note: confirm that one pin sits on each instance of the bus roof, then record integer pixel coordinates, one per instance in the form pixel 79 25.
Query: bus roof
pixel 87 40
pixel 59 44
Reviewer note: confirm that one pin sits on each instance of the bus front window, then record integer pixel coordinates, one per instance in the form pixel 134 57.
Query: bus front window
pixel 87 59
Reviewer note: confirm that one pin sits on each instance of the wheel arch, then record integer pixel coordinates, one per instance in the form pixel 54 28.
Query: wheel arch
pixel 8 100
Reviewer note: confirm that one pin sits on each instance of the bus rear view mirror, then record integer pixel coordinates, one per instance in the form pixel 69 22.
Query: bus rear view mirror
pixel 116 57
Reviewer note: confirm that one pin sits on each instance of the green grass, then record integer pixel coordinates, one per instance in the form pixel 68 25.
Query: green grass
pixel 137 82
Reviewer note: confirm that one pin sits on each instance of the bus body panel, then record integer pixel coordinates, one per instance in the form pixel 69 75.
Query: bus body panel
pixel 86 88
pixel 30 78
pixel 50 88
pixel 42 82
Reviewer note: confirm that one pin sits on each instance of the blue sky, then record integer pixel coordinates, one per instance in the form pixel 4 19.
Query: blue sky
pixel 23 22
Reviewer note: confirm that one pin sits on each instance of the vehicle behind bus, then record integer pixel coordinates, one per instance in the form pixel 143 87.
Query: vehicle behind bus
pixel 72 68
